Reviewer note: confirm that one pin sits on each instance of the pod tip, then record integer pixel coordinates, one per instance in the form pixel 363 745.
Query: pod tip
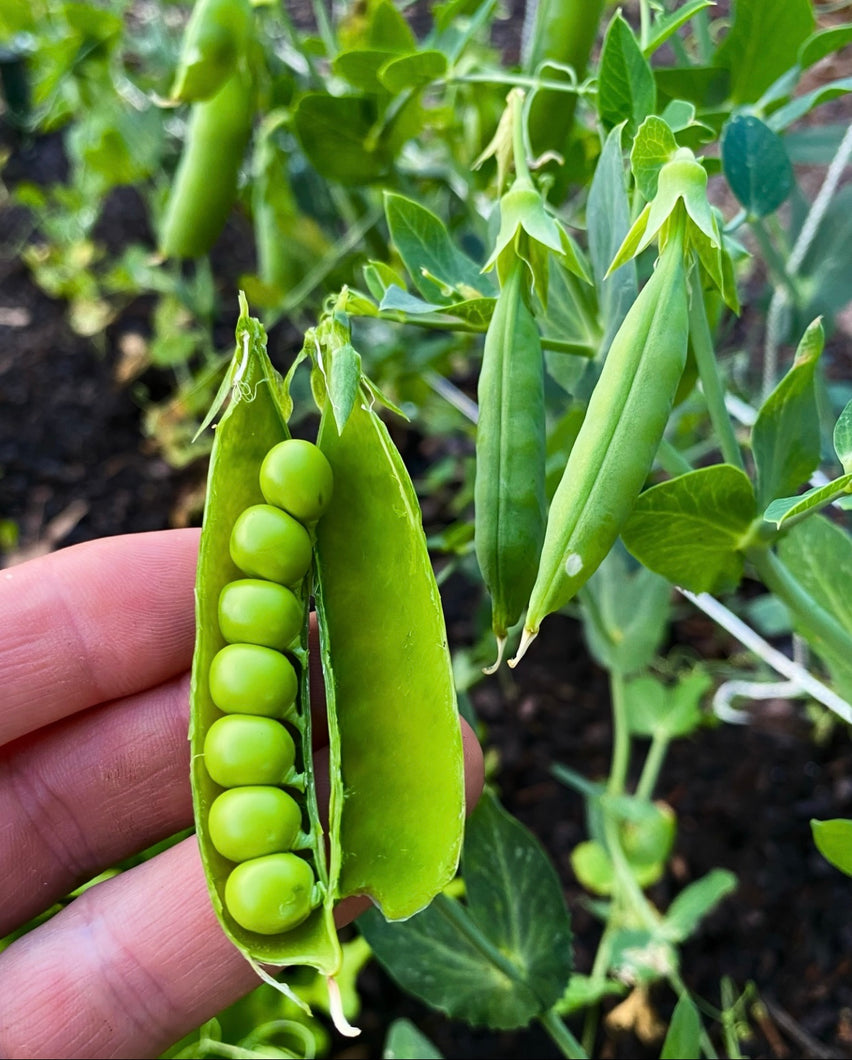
pixel 527 637
pixel 335 1010
pixel 495 666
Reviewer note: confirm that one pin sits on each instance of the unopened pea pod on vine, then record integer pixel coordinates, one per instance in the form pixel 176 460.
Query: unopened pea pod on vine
pixel 205 185
pixel 509 492
pixel 618 440
pixel 214 42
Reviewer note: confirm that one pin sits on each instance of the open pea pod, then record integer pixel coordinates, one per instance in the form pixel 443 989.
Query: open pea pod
pixel 387 668
pixel 254 422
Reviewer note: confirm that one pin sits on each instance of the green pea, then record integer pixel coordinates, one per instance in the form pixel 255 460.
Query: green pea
pixel 249 822
pixel 246 749
pixel 269 543
pixel 250 679
pixel 259 612
pixel 270 894
pixel 297 477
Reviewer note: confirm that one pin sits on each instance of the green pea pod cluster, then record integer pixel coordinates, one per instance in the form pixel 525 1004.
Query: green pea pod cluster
pixel 286 521
pixel 509 491
pixel 618 440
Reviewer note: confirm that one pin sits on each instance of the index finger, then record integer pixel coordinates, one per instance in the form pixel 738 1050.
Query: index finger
pixel 94 622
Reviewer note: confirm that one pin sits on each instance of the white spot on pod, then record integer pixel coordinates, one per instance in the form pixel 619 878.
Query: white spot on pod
pixel 573 564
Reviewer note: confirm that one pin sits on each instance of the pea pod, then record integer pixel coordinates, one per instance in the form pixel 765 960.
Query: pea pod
pixel 254 423
pixel 388 673
pixel 205 184
pixel 396 803
pixel 618 440
pixel 215 39
pixel 509 495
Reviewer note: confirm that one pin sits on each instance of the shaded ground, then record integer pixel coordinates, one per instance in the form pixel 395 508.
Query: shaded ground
pixel 74 466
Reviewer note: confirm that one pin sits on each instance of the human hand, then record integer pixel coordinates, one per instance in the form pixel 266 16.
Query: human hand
pixel 95 646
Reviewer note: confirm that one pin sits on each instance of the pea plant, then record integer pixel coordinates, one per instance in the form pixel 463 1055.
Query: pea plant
pixel 542 258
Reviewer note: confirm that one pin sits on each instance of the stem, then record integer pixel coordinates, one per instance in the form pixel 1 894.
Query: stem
pixel 620 736
pixel 626 882
pixel 672 460
pixel 519 149
pixel 778 578
pixel 771 656
pixel 774 261
pixel 644 24
pixel 703 39
pixel 653 764
pixel 562 1037
pixel 708 372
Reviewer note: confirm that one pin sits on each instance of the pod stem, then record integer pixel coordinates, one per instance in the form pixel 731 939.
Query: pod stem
pixel 527 637
pixel 335 1010
pixel 495 666
pixel 282 988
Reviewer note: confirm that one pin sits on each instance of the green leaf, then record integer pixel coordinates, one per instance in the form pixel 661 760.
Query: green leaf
pixel 785 438
pixel 843 438
pixel 670 23
pixel 804 104
pixel 653 146
pixel 763 42
pixel 756 164
pixel 834 841
pixel 818 554
pixel 502 959
pixel 658 710
pixel 626 88
pixel 690 528
pixel 435 264
pixel 405 1042
pixel 584 991
pixel 823 43
pixel 474 311
pixel 607 223
pixel 625 614
pixel 783 509
pixel 336 135
pixel 360 67
pixel 516 898
pixel 412 71
pixel 683 1039
pixel 695 902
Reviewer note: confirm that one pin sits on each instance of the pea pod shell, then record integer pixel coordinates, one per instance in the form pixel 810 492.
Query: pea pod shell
pixel 251 425
pixel 388 674
pixel 205 184
pixel 216 36
pixel 509 492
pixel 618 440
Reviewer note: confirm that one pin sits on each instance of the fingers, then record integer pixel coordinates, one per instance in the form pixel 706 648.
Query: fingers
pixel 88 792
pixel 92 623
pixel 136 962
pixel 127 969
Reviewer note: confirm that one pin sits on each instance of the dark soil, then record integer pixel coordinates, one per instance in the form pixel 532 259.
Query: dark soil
pixel 74 466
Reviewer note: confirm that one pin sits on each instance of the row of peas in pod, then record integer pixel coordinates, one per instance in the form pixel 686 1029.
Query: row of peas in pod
pixel 249 751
